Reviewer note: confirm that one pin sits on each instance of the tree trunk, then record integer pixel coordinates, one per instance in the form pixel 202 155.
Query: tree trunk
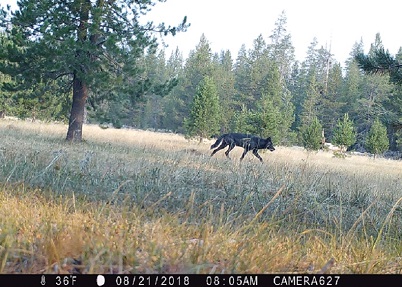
pixel 80 89
pixel 80 94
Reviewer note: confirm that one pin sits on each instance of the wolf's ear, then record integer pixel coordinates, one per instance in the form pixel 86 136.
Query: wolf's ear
pixel 269 139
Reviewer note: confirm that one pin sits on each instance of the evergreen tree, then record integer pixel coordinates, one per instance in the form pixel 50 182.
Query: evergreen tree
pixel 312 135
pixel 274 113
pixel 251 69
pixel 393 106
pixel 198 66
pixel 268 120
pixel 344 133
pixel 243 121
pixel 331 99
pixel 242 70
pixel 380 60
pixel 155 69
pixel 5 96
pixel 376 94
pixel 260 63
pixel 311 63
pixel 40 100
pixel 224 80
pixel 297 89
pixel 310 105
pixel 353 81
pixel 204 115
pixel 377 139
pixel 93 46
pixel 281 49
pixel 321 67
pixel 174 104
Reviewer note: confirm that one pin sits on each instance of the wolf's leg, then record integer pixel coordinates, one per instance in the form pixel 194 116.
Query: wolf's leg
pixel 222 146
pixel 255 152
pixel 244 153
pixel 231 146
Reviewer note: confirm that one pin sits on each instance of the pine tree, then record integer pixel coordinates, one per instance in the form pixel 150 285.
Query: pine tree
pixel 259 68
pixel 379 60
pixel 296 88
pixel 312 135
pixel 281 50
pixel 310 105
pixel 204 115
pixel 243 121
pixel 197 66
pixel 6 100
pixel 242 71
pixel 344 133
pixel 224 80
pixel 93 46
pixel 377 139
pixel 269 120
pixel 174 104
pixel 318 87
pixel 274 111
pixel 353 81
pixel 331 100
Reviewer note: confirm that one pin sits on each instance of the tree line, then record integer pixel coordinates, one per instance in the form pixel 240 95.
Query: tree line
pixel 264 90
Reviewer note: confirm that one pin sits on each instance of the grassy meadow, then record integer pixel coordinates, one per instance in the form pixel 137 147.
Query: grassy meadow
pixel 129 201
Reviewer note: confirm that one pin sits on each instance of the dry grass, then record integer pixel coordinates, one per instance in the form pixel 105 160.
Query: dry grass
pixel 128 201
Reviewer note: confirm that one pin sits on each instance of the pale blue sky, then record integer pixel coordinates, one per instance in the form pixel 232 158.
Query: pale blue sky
pixel 228 24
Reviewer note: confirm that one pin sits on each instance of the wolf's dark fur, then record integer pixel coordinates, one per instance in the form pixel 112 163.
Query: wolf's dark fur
pixel 248 142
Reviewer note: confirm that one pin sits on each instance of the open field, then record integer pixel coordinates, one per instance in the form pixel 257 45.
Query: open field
pixel 136 201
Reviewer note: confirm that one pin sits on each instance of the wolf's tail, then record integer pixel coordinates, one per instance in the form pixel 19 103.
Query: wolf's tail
pixel 218 141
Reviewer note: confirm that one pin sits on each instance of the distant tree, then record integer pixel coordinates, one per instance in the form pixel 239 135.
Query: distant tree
pixel 92 46
pixel 204 115
pixel 268 120
pixel 317 87
pixel 280 49
pixel 331 100
pixel 197 66
pixel 243 121
pixel 353 81
pixel 377 140
pixel 260 65
pixel 174 103
pixel 274 111
pixel 310 104
pixel 39 102
pixel 382 98
pixel 296 87
pixel 344 133
pixel 242 72
pixel 224 80
pixel 318 61
pixel 150 114
pixel 312 135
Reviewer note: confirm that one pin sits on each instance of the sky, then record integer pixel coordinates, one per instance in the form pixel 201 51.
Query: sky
pixel 227 24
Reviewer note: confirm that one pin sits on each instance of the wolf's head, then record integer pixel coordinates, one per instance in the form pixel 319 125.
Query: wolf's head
pixel 269 144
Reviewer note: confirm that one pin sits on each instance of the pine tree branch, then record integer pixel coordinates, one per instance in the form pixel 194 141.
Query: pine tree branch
pixel 380 62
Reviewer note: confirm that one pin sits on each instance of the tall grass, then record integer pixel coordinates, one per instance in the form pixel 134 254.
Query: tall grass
pixel 136 201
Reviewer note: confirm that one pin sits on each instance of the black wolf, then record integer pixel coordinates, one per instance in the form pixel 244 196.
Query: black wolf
pixel 248 142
